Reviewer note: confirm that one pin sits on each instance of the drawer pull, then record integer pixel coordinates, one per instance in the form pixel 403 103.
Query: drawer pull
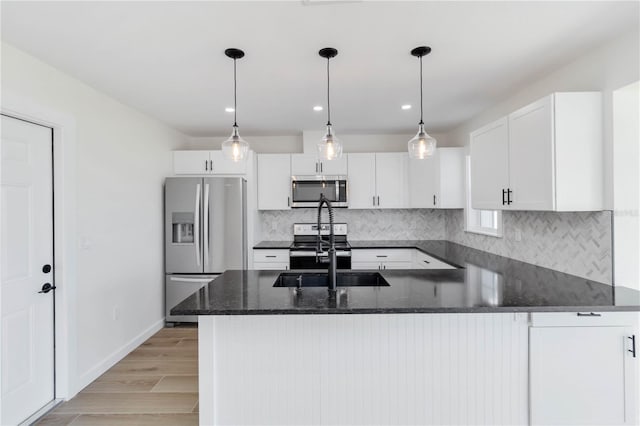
pixel 270 255
pixel 426 261
pixel 381 255
pixel 590 314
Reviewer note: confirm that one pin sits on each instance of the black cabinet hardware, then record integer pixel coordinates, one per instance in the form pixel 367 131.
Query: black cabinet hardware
pixel 46 288
pixel 211 165
pixel 434 200
pixel 378 200
pixel 503 194
pixel 374 200
pixel 381 255
pixel 509 191
pixel 206 165
pixel 590 314
pixel 288 201
pixel 46 268
pixel 426 261
pixel 633 345
pixel 270 255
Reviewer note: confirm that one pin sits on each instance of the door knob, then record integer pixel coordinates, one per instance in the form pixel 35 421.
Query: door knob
pixel 46 268
pixel 46 288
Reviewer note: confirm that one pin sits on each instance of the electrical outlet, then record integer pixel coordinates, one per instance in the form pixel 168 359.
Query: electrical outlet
pixel 116 313
pixel 518 236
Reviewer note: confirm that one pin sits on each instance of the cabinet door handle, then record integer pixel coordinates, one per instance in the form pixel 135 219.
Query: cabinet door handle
pixel 426 261
pixel 633 345
pixel 434 200
pixel 321 171
pixel 590 314
pixel 503 194
pixel 316 167
pixel 374 200
pixel 206 165
pixel 288 201
pixel 378 200
pixel 509 191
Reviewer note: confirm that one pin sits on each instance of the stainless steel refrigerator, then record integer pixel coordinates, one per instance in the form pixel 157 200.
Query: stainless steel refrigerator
pixel 205 234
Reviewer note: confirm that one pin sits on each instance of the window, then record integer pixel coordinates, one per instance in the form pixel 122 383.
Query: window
pixel 487 222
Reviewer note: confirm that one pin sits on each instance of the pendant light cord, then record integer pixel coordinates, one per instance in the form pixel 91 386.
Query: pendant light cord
pixel 421 103
pixel 328 98
pixel 235 96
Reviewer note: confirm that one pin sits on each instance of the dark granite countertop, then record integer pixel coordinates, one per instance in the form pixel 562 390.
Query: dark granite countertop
pixel 485 283
pixel 273 245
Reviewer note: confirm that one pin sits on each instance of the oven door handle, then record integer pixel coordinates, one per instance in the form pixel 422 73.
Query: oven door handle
pixel 313 254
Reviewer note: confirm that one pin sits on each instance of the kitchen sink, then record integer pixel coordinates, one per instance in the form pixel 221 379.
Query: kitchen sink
pixel 344 279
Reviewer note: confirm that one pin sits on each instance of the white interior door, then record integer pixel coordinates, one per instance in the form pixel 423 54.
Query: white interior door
pixel 26 246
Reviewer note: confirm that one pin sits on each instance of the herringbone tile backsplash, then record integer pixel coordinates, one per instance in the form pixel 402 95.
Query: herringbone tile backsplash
pixel 575 243
pixel 400 224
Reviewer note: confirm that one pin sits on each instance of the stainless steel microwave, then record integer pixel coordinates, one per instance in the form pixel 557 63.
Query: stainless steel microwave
pixel 306 190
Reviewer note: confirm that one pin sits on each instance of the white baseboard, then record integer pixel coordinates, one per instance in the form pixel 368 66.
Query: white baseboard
pixel 85 379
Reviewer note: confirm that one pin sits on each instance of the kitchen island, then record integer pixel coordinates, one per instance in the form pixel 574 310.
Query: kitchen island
pixel 451 346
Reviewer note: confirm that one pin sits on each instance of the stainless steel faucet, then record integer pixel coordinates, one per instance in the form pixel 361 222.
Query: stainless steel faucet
pixel 331 258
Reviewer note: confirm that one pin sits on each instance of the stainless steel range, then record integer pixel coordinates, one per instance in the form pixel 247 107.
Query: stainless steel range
pixel 302 254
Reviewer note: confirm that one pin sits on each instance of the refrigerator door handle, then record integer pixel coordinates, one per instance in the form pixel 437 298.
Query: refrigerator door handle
pixel 196 225
pixel 205 224
pixel 192 280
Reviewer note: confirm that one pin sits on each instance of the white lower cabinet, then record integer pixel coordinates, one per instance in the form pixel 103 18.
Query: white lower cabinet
pixel 424 261
pixel 382 259
pixel 277 259
pixel 395 259
pixel 583 368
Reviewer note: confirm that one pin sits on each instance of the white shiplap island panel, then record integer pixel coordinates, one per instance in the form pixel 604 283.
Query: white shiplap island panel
pixel 392 369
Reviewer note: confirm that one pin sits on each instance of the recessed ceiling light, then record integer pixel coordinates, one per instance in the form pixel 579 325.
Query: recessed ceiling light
pixel 229 109
pixel 407 106
pixel 317 108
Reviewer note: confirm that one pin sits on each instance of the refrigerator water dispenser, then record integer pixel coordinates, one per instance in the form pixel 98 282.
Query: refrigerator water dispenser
pixel 182 228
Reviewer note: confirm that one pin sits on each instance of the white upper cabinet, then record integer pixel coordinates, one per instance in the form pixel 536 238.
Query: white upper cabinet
pixel 437 182
pixel 274 181
pixel 207 163
pixel 378 180
pixel 362 181
pixel 490 165
pixel 545 156
pixel 391 180
pixel 309 164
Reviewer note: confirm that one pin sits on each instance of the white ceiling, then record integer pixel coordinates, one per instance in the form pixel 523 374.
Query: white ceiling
pixel 166 58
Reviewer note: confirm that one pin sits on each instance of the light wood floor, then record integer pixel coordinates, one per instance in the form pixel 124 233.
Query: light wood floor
pixel 156 384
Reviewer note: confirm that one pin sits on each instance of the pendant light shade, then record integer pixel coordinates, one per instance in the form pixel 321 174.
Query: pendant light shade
pixel 422 145
pixel 329 148
pixel 235 147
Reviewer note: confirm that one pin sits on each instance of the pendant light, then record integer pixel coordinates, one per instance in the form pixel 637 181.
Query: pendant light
pixel 422 145
pixel 329 148
pixel 235 147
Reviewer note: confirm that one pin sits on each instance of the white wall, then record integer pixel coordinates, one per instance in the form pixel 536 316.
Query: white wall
pixel 606 68
pixel 626 181
pixel 122 157
pixel 294 143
